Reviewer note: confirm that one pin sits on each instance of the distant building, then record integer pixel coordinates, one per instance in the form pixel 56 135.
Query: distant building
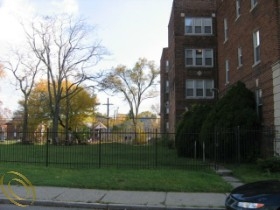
pixel 11 130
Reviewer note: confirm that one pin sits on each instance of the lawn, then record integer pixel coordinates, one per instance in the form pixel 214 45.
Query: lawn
pixel 110 166
pixel 119 167
pixel 251 172
pixel 98 156
pixel 175 180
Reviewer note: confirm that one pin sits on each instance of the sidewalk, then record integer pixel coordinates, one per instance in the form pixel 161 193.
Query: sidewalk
pixel 125 200
pixel 109 199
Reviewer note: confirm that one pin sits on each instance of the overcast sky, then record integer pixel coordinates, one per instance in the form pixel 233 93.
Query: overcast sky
pixel 129 29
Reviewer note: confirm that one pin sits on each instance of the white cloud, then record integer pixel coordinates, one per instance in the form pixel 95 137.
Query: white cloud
pixel 11 13
pixel 66 6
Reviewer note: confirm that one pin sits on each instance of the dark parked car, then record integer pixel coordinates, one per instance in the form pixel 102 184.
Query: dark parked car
pixel 261 195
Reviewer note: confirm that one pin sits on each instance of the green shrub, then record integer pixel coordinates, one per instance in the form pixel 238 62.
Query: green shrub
pixel 270 164
pixel 186 139
pixel 235 109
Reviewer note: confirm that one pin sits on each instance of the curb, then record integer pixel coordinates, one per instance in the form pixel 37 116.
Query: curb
pixel 102 206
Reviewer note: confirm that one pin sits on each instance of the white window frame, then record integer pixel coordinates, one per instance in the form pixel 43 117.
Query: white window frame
pixel 254 4
pixel 201 23
pixel 193 55
pixel 256 47
pixel 199 89
pixel 239 56
pixel 227 71
pixel 225 30
pixel 238 12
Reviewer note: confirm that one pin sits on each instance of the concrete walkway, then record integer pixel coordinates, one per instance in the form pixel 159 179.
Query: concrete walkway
pixel 109 199
pixel 228 177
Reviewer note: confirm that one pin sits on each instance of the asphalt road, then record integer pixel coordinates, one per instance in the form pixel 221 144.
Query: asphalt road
pixel 14 207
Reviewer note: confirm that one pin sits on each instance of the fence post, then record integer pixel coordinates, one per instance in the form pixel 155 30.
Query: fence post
pixel 195 149
pixel 47 149
pixel 216 148
pixel 99 151
pixel 203 148
pixel 156 149
pixel 238 143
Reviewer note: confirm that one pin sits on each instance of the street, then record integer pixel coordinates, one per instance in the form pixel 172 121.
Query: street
pixel 14 207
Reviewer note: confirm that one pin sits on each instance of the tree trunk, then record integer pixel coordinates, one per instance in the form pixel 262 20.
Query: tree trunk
pixel 25 123
pixel 55 124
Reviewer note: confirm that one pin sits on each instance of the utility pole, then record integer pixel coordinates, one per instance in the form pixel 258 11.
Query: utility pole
pixel 108 112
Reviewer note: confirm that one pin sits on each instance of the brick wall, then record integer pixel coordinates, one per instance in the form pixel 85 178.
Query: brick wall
pixel 163 93
pixel 240 34
pixel 178 42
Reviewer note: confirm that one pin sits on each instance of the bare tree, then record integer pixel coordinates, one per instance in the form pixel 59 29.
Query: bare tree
pixel 24 70
pixel 136 84
pixel 63 45
pixel 2 73
pixel 3 111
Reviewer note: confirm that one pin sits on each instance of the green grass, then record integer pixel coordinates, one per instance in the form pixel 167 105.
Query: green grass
pixel 121 179
pixel 251 172
pixel 110 166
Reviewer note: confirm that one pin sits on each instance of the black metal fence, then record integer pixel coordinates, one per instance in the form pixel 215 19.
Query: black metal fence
pixel 138 150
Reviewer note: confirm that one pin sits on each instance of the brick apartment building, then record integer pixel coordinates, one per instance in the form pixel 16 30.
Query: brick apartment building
pixel 212 45
pixel 188 65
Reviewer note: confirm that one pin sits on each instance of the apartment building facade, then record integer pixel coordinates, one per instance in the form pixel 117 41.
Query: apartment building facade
pixel 248 33
pixel 188 65
pixel 242 45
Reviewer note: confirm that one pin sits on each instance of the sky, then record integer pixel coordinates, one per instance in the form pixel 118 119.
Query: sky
pixel 128 29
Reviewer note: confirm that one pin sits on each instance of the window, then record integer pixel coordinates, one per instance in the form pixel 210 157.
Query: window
pixel 199 57
pixel 166 65
pixel 225 29
pixel 227 71
pixel 259 100
pixel 237 8
pixel 256 44
pixel 208 25
pixel 167 107
pixel 167 125
pixel 259 103
pixel 239 55
pixel 190 88
pixel 253 3
pixel 198 26
pixel 167 86
pixel 208 57
pixel 209 86
pixel 199 89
